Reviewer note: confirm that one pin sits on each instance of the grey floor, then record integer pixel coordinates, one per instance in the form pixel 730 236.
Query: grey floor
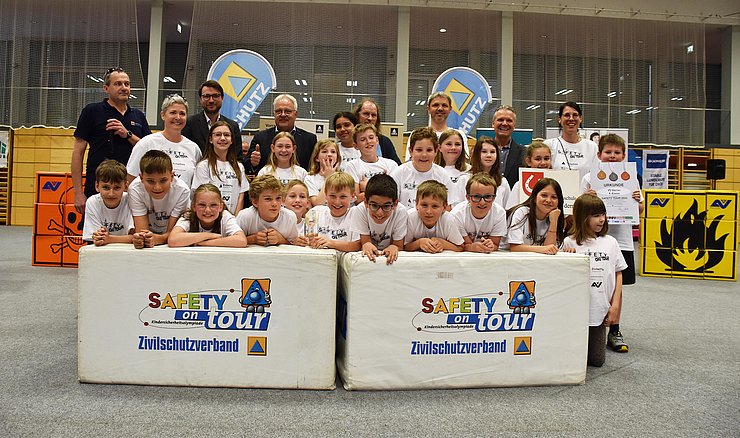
pixel 680 378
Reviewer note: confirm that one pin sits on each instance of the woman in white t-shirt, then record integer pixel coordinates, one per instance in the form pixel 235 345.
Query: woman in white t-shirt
pixel 569 151
pixel 183 152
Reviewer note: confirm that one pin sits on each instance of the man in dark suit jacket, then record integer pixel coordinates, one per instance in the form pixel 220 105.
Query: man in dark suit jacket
pixel 286 111
pixel 199 125
pixel 512 153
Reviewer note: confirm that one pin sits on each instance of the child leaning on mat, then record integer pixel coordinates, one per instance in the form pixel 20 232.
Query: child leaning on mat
pixel 157 198
pixel 207 222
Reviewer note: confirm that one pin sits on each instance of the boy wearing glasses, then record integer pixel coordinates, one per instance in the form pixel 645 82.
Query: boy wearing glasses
pixel 379 220
pixel 482 222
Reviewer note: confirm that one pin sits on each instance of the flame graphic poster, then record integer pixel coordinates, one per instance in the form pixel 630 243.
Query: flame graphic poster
pixel 690 234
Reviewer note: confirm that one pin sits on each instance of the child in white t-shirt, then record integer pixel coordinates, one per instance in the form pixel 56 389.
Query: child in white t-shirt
pixel 220 167
pixel 589 236
pixel 365 137
pixel 325 160
pixel 156 198
pixel 409 175
pixel 452 157
pixel 329 226
pixel 283 163
pixel 537 225
pixel 379 220
pixel 430 228
pixel 267 222
pixel 107 215
pixel 612 150
pixel 207 222
pixel 482 221
pixel 296 200
pixel 486 157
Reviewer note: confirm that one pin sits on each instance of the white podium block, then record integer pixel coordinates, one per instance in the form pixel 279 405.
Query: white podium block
pixel 457 320
pixel 182 316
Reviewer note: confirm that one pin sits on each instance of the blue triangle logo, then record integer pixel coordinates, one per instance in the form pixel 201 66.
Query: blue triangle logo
pixel 257 348
pixel 459 98
pixel 522 348
pixel 238 84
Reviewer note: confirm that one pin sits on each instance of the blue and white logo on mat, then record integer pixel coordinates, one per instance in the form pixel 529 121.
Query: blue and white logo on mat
pixel 470 94
pixel 247 79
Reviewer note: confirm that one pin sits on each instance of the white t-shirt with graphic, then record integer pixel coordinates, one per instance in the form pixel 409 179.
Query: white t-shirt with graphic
pixel 229 227
pixel 408 179
pixel 456 190
pixel 284 175
pixel 381 235
pixel 446 228
pixel 314 183
pixel 519 232
pixel 184 155
pixel 503 193
pixel 492 225
pixel 250 222
pixel 605 260
pixel 159 211
pixel 360 170
pixel 572 156
pixel 118 221
pixel 224 178
pixel 334 228
pixel 348 155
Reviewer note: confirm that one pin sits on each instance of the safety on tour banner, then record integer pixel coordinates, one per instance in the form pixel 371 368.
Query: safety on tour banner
pixel 448 321
pixel 470 94
pixel 207 316
pixel 247 79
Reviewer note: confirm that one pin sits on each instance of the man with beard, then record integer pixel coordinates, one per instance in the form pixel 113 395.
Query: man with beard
pixel 199 125
pixel 439 106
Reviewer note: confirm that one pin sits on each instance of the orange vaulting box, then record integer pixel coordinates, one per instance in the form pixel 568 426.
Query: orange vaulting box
pixel 47 250
pixel 72 221
pixel 51 187
pixel 70 191
pixel 71 250
pixel 48 220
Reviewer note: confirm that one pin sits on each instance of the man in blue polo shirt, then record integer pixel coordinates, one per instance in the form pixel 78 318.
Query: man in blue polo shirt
pixel 111 128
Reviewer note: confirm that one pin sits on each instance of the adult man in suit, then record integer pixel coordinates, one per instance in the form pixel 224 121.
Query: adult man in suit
pixel 285 109
pixel 512 153
pixel 199 125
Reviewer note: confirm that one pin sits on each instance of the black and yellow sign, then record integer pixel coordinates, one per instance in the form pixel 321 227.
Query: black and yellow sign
pixel 690 234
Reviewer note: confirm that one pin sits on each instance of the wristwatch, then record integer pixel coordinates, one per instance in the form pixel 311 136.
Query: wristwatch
pixel 129 134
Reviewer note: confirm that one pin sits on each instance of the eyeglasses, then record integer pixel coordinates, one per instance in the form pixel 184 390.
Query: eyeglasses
pixel 478 198
pixel 213 96
pixel 287 112
pixel 385 207
pixel 112 69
